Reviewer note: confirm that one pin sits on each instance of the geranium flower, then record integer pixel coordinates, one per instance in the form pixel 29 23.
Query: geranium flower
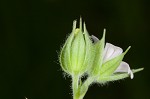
pixel 109 65
pixel 111 52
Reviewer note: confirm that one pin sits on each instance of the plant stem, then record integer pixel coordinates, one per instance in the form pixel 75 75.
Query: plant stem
pixel 79 91
pixel 85 86
pixel 75 86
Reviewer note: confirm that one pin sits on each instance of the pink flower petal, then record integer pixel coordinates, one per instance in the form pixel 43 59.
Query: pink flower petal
pixel 124 67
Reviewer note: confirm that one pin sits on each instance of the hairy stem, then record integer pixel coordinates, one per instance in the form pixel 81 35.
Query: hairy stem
pixel 85 86
pixel 75 86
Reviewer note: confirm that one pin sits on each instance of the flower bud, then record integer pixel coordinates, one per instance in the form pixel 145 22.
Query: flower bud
pixel 76 52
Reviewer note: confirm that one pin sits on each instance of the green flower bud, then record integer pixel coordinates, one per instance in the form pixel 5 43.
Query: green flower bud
pixel 75 56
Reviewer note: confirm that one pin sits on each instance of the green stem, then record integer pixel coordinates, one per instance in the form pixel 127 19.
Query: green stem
pixel 75 86
pixel 85 86
pixel 79 91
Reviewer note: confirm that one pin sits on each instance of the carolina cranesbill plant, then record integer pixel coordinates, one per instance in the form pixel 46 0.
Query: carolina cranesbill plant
pixel 87 55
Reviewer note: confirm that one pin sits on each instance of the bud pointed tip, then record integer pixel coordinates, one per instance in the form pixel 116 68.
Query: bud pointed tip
pixel 104 33
pixel 127 49
pixel 104 30
pixel 80 23
pixel 84 26
pixel 74 25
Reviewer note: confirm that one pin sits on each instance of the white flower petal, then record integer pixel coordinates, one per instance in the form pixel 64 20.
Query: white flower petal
pixel 111 51
pixel 108 51
pixel 117 52
pixel 124 67
pixel 94 39
pixel 131 75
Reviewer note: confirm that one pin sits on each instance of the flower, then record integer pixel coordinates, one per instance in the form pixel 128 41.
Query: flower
pixel 111 52
pixel 83 54
pixel 87 55
pixel 110 67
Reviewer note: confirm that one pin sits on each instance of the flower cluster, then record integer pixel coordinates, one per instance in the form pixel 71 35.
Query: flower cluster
pixel 84 54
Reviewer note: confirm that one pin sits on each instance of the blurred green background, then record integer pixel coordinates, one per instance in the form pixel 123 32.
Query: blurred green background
pixel 32 32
